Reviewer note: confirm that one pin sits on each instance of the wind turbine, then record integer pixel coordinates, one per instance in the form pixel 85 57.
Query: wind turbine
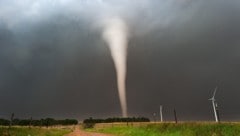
pixel 160 113
pixel 214 104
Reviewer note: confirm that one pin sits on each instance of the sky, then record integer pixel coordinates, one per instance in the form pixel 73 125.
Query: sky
pixel 55 63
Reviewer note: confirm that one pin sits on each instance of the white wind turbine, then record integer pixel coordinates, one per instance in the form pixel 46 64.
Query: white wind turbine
pixel 160 113
pixel 214 104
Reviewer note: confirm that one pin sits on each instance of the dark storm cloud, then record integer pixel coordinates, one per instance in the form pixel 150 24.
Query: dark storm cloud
pixel 53 61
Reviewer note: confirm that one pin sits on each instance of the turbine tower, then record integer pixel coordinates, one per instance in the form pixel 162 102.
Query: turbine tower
pixel 160 112
pixel 214 104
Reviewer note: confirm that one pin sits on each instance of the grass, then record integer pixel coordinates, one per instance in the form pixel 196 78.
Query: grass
pixel 171 129
pixel 35 131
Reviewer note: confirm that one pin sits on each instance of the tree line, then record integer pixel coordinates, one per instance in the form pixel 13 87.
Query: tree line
pixel 90 123
pixel 117 119
pixel 41 122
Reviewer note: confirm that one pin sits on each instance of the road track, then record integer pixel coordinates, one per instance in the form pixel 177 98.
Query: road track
pixel 79 132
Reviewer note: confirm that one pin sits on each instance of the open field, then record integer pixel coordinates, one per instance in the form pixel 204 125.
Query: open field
pixel 132 129
pixel 34 131
pixel 170 129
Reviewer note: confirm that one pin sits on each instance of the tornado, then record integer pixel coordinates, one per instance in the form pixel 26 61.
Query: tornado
pixel 115 33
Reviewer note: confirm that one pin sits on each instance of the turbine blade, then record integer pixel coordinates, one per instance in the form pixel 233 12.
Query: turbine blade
pixel 215 92
pixel 211 99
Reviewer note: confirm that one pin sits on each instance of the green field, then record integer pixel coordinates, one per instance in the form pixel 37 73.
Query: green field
pixel 35 131
pixel 171 129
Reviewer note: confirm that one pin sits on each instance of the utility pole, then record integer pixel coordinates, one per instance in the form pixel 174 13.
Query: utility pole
pixel 160 113
pixel 175 116
pixel 30 123
pixel 154 117
pixel 11 120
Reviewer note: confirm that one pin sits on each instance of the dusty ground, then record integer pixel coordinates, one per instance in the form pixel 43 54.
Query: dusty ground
pixel 79 132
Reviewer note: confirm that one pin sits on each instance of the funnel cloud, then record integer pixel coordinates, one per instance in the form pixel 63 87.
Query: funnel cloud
pixel 115 34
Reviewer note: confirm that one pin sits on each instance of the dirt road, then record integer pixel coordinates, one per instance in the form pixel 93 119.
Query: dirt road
pixel 78 132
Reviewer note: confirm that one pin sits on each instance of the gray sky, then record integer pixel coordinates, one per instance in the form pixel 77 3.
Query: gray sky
pixel 54 63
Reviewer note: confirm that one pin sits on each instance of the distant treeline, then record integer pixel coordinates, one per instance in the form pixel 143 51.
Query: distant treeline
pixel 42 122
pixel 111 120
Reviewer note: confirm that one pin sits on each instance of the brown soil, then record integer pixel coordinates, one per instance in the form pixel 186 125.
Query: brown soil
pixel 79 132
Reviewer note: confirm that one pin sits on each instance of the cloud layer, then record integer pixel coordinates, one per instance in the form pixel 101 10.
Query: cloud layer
pixel 53 61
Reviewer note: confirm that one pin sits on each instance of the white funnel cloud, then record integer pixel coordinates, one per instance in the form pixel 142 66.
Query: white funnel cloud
pixel 115 33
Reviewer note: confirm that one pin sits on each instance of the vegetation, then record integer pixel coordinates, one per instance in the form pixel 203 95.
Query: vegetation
pixel 42 122
pixel 25 131
pixel 90 123
pixel 171 129
pixel 4 122
pixel 111 120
